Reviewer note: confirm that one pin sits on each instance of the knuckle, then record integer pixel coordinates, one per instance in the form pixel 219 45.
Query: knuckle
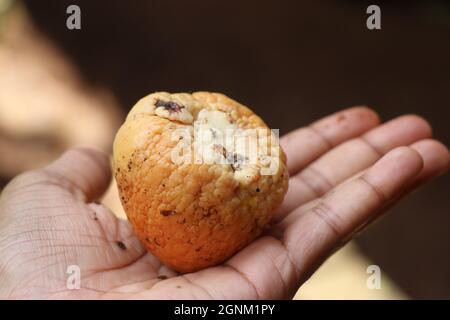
pixel 330 218
pixel 315 181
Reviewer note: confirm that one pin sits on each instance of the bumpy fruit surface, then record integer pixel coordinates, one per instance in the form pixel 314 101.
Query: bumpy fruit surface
pixel 192 214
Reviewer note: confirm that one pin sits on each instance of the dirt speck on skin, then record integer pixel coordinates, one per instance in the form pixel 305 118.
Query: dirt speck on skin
pixel 121 245
pixel 178 287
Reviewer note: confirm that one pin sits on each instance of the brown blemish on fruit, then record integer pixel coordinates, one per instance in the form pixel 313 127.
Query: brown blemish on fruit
pixel 168 105
pixel 162 277
pixel 220 149
pixel 237 162
pixel 167 213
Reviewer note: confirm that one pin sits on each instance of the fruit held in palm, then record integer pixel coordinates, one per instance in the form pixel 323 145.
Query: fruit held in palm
pixel 199 176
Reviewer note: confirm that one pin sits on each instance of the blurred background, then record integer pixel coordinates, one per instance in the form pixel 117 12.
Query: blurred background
pixel 291 61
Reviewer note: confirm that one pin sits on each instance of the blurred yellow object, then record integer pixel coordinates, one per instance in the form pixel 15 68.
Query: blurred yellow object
pixel 5 5
pixel 46 106
pixel 344 276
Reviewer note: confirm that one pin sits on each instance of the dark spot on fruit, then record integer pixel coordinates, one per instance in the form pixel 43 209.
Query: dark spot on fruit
pixel 147 239
pixel 178 287
pixel 121 245
pixel 167 213
pixel 206 214
pixel 237 160
pixel 168 105
pixel 162 277
pixel 221 149
pixel 211 211
pixel 258 190
pixel 118 169
pixel 198 249
pixel 213 133
pixel 163 185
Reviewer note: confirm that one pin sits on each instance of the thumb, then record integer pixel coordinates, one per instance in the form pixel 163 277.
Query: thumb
pixel 84 172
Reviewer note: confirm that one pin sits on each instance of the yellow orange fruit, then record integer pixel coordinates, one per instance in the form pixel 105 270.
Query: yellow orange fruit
pixel 195 209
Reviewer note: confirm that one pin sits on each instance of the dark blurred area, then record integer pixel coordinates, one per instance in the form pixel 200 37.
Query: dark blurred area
pixel 292 62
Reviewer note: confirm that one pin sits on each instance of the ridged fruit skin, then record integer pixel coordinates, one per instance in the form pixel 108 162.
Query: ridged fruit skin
pixel 190 216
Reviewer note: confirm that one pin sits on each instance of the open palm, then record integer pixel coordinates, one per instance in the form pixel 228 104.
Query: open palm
pixel 346 169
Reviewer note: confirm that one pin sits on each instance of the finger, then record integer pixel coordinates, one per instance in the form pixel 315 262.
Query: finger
pixel 83 172
pixel 435 162
pixel 315 234
pixel 306 144
pixel 351 157
pixel 436 159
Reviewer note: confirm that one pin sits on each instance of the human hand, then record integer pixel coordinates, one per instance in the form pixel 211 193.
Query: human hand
pixel 345 171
